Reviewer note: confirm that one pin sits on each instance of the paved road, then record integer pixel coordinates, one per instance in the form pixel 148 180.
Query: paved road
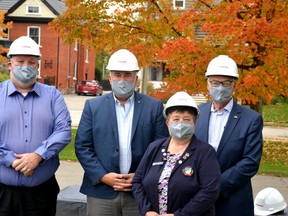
pixel 75 104
pixel 71 173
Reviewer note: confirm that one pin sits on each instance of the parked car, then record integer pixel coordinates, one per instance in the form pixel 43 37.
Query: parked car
pixel 89 88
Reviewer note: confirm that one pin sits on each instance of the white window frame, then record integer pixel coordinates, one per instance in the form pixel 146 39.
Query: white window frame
pixel 176 7
pixel 76 45
pixel 75 70
pixel 31 36
pixel 39 33
pixel 33 6
pixel 87 55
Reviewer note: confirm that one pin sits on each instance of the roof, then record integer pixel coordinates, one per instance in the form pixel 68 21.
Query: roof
pixel 7 4
pixel 56 6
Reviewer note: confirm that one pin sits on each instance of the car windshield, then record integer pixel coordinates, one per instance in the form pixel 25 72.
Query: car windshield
pixel 88 83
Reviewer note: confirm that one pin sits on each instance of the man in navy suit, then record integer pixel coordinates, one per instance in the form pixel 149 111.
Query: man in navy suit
pixel 235 132
pixel 113 134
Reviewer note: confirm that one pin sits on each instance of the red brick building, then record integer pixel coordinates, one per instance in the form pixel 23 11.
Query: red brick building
pixel 62 65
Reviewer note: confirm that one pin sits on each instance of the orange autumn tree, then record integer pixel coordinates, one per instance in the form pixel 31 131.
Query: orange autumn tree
pixel 250 31
pixel 254 34
pixel 3 28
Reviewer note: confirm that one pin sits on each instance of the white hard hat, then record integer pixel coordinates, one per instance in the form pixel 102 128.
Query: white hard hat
pixel 123 60
pixel 222 65
pixel 181 99
pixel 268 201
pixel 24 46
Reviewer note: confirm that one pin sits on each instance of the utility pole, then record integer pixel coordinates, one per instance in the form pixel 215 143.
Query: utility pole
pixel 143 83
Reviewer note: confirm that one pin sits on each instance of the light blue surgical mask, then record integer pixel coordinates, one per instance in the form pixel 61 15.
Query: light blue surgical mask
pixel 221 94
pixel 123 88
pixel 181 130
pixel 24 74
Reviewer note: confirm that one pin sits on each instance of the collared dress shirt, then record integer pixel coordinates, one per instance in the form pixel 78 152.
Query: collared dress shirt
pixel 124 122
pixel 38 122
pixel 218 120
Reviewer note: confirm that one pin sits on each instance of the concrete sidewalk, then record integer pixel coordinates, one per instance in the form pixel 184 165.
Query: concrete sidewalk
pixel 71 173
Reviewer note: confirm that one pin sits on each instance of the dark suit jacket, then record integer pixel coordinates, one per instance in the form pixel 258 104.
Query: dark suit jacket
pixel 97 144
pixel 187 194
pixel 238 154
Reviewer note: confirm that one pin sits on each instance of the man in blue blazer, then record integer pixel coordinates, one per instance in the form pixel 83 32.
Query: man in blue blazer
pixel 235 132
pixel 113 134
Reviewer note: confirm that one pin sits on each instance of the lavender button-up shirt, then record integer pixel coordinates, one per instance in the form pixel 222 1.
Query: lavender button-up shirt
pixel 38 122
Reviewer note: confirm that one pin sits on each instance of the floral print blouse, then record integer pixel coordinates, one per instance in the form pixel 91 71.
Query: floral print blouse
pixel 164 180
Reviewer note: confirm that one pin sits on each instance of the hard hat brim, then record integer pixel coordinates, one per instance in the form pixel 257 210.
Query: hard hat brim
pixel 266 213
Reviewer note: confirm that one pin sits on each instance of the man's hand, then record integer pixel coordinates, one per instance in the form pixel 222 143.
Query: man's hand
pixel 151 213
pixel 120 182
pixel 26 163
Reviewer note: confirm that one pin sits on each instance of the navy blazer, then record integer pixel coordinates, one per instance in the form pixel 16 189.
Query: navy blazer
pixel 192 194
pixel 97 142
pixel 238 154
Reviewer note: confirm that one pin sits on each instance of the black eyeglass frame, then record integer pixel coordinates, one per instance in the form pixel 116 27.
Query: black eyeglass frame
pixel 226 83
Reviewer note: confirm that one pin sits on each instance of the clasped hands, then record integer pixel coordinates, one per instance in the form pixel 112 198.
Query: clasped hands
pixel 26 163
pixel 120 182
pixel 152 213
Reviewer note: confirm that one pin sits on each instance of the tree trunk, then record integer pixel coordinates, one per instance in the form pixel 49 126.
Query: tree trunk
pixel 257 107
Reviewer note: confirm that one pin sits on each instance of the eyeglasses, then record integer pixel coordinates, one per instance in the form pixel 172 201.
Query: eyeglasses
pixel 227 83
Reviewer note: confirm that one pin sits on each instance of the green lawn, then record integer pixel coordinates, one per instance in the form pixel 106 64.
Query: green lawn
pixel 276 115
pixel 275 158
pixel 68 153
pixel 275 152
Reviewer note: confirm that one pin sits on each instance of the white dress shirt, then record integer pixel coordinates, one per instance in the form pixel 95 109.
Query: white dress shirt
pixel 217 123
pixel 124 123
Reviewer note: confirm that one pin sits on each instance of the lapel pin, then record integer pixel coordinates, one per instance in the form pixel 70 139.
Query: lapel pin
pixel 186 156
pixel 188 171
pixel 157 163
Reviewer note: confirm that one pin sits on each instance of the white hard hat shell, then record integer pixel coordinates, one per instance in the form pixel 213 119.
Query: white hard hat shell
pixel 123 60
pixel 180 99
pixel 24 45
pixel 222 65
pixel 268 201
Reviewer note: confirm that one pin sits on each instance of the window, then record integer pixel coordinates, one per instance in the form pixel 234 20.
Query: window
pixel 179 4
pixel 33 9
pixel 76 45
pixel 75 70
pixel 87 56
pixel 34 33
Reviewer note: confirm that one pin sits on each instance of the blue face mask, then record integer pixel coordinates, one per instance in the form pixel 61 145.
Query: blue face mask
pixel 181 130
pixel 221 94
pixel 123 88
pixel 24 74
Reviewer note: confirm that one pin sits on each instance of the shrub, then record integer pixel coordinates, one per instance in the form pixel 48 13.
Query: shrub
pixel 4 76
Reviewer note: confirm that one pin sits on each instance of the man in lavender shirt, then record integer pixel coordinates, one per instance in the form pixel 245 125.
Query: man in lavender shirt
pixel 35 125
